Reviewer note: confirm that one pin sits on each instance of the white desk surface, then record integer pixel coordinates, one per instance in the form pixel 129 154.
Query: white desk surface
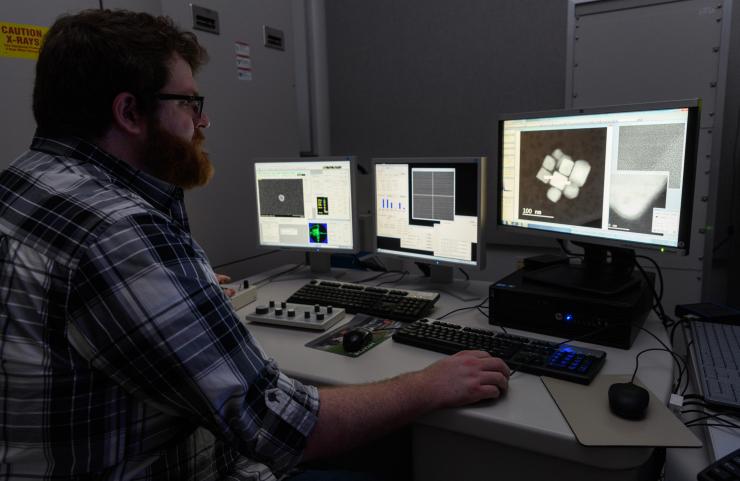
pixel 526 417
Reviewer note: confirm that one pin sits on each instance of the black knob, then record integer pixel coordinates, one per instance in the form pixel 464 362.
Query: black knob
pixel 283 304
pixel 291 312
pixel 319 317
pixel 329 309
pixel 245 284
pixel 316 308
pixel 262 310
pixel 272 303
pixel 307 315
pixel 278 312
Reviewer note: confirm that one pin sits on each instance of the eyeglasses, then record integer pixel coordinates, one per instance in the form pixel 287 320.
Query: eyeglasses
pixel 195 102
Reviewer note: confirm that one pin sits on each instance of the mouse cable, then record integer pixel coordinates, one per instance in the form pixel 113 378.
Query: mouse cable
pixel 682 365
pixel 637 359
pixel 680 362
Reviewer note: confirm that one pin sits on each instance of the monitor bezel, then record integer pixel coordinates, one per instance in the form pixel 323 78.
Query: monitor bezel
pixel 480 163
pixel 353 199
pixel 689 176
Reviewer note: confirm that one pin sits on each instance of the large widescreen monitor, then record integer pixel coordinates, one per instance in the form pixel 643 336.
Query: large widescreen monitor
pixel 619 176
pixel 307 204
pixel 431 210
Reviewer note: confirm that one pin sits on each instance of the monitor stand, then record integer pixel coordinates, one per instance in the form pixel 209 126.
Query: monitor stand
pixel 599 273
pixel 442 278
pixel 320 263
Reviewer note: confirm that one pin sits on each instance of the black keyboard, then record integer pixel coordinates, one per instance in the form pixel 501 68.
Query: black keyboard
pixel 397 304
pixel 525 354
pixel 726 468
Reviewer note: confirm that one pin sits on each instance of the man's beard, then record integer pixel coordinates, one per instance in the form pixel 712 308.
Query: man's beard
pixel 177 161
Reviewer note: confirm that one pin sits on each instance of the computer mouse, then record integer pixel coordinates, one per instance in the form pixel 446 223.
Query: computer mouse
pixel 628 400
pixel 356 339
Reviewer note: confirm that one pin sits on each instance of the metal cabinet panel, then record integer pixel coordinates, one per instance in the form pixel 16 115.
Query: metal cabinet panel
pixel 667 51
pixel 632 51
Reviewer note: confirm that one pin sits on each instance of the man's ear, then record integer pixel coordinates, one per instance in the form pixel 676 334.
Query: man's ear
pixel 126 115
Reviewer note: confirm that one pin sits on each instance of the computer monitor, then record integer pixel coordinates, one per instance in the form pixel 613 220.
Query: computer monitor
pixel 307 204
pixel 431 210
pixel 614 179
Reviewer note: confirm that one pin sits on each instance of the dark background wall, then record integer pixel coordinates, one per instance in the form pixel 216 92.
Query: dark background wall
pixel 430 77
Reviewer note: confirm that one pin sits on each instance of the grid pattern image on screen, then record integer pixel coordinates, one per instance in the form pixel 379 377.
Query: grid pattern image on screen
pixel 281 197
pixel 428 210
pixel 433 194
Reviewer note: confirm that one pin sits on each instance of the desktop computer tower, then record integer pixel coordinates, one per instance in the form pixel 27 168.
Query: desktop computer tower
pixel 518 302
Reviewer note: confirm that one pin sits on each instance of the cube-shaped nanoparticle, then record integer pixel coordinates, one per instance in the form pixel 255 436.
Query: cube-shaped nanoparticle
pixel 570 191
pixel 579 174
pixel 554 194
pixel 558 180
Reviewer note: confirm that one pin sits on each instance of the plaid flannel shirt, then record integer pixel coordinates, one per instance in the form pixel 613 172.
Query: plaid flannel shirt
pixel 120 356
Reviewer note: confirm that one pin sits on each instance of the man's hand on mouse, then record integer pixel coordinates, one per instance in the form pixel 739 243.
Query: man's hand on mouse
pixel 465 378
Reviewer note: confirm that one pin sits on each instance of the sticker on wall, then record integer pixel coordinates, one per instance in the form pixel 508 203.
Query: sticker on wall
pixel 243 61
pixel 20 40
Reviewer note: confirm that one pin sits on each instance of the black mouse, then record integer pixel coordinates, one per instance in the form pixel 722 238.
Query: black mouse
pixel 628 400
pixel 356 339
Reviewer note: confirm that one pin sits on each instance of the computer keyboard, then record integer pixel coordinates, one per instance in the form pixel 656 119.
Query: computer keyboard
pixel 397 304
pixel 726 468
pixel 716 352
pixel 525 354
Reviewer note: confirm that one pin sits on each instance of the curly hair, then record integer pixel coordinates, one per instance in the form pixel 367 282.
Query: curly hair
pixel 88 58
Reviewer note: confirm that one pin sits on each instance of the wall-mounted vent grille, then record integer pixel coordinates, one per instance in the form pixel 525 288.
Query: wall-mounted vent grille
pixel 274 38
pixel 205 19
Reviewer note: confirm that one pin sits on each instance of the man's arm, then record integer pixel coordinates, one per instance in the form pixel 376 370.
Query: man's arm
pixel 350 416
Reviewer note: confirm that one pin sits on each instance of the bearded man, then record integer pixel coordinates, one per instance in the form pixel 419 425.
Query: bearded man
pixel 121 357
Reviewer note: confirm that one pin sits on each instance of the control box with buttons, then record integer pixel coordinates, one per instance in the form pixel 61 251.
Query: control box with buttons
pixel 243 293
pixel 289 314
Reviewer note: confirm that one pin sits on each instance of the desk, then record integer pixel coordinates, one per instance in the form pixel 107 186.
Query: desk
pixel 521 436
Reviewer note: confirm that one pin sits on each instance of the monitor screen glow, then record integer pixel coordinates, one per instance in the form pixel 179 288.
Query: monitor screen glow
pixel 430 209
pixel 620 176
pixel 306 204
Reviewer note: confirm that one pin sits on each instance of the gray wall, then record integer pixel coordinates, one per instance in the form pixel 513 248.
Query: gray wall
pixel 430 77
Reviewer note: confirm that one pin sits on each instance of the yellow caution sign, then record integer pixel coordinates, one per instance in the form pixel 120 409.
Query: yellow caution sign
pixel 21 41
